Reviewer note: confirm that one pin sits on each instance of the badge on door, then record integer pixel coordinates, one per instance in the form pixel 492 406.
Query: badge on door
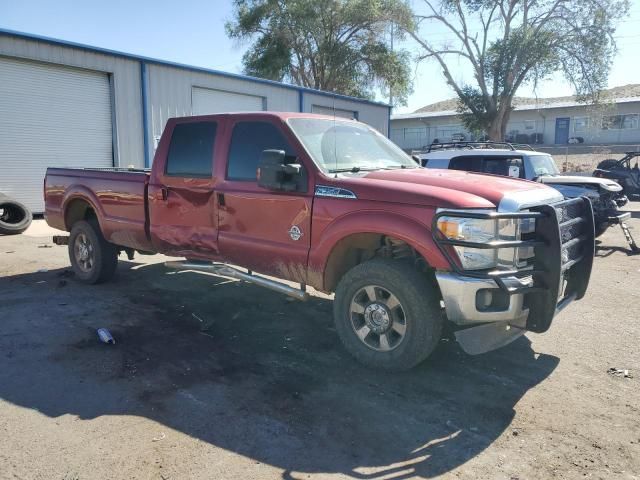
pixel 295 233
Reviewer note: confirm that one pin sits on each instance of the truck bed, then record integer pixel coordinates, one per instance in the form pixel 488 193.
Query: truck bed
pixel 118 196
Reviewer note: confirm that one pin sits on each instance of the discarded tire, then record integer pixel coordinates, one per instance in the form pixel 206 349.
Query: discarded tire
pixel 15 217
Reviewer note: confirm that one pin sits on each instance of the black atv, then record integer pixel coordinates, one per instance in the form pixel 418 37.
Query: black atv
pixel 629 178
pixel 622 172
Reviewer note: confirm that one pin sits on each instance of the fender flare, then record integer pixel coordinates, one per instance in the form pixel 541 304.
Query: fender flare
pixel 80 192
pixel 416 234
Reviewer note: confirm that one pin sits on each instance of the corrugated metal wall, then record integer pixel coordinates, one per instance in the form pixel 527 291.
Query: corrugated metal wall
pixel 50 116
pixel 169 91
pixel 126 87
pixel 375 115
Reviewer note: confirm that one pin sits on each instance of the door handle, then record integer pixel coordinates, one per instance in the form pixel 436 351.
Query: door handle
pixel 221 202
pixel 164 193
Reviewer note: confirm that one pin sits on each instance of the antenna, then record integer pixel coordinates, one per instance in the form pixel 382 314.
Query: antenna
pixel 335 136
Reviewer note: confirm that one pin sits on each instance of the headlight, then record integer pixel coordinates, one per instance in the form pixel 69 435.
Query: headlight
pixel 484 231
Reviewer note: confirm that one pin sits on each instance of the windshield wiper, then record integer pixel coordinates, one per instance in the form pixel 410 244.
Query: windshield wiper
pixel 396 167
pixel 354 169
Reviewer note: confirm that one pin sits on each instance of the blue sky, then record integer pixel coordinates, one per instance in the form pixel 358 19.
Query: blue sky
pixel 192 32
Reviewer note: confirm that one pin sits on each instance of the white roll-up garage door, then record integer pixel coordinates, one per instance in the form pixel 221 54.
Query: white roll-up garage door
pixel 50 116
pixel 337 112
pixel 207 101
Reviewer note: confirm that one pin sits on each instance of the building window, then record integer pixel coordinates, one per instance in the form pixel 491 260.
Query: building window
pixel 416 136
pixel 620 122
pixel 450 133
pixel 580 124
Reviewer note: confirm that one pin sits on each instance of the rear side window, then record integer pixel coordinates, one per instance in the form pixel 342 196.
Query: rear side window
pixel 468 164
pixel 502 166
pixel 191 149
pixel 248 141
pixel 435 163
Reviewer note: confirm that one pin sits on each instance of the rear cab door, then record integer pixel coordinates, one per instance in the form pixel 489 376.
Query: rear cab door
pixel 182 203
pixel 262 230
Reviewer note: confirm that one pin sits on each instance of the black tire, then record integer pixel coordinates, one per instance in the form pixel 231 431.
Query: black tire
pixel 98 261
pixel 607 164
pixel 419 311
pixel 601 228
pixel 15 217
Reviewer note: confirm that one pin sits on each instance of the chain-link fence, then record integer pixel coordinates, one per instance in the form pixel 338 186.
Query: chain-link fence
pixel 585 158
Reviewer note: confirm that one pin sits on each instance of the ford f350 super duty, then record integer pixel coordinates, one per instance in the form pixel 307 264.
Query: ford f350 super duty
pixel 333 204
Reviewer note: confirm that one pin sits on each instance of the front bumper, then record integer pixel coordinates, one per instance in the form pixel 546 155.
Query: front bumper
pixel 528 298
pixel 465 301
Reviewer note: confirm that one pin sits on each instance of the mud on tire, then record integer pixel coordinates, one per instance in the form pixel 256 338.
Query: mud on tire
pixel 94 260
pixel 388 314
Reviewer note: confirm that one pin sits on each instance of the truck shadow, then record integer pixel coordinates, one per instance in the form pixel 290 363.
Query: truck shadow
pixel 246 370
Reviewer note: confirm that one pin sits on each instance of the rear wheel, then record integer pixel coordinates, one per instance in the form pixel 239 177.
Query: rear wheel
pixel 387 314
pixel 94 260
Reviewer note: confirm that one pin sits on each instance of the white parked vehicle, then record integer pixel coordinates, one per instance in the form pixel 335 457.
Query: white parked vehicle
pixel 522 161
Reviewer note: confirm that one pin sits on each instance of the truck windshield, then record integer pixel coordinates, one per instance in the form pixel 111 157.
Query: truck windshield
pixel 339 146
pixel 542 165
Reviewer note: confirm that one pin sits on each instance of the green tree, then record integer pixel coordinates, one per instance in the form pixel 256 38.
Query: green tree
pixel 339 46
pixel 510 43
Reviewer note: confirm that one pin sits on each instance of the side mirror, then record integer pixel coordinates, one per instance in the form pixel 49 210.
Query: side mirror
pixel 275 174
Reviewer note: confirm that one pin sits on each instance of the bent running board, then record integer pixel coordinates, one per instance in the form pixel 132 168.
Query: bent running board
pixel 227 271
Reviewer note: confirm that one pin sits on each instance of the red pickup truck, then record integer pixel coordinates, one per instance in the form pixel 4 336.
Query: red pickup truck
pixel 333 204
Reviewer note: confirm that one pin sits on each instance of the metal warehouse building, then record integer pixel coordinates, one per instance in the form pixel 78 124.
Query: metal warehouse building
pixel 66 104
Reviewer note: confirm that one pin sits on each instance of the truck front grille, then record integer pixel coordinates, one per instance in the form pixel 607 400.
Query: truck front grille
pixel 574 223
pixel 563 265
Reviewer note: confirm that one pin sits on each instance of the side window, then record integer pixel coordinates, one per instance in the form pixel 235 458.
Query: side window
pixel 191 150
pixel 503 166
pixel 435 163
pixel 248 140
pixel 468 164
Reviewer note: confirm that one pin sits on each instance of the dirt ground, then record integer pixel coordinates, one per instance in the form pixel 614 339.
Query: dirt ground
pixel 216 379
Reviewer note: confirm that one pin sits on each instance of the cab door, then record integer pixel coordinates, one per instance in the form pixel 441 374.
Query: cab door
pixel 182 204
pixel 262 230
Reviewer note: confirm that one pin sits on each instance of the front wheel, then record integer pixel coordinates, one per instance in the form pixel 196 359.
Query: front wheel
pixel 94 260
pixel 387 314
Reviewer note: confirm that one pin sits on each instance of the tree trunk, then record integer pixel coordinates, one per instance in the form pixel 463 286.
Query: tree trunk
pixel 494 131
pixel 498 129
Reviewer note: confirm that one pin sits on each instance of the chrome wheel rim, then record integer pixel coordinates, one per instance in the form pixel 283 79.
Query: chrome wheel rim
pixel 378 318
pixel 83 252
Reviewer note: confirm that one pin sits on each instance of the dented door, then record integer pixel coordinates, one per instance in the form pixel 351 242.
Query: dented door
pixel 182 206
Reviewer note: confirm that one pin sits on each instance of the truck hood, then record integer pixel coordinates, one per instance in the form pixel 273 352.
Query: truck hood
pixel 577 181
pixel 447 188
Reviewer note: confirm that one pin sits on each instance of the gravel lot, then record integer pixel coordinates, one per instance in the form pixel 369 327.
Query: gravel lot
pixel 213 379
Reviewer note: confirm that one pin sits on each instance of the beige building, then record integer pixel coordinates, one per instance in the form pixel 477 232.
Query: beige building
pixel 558 121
